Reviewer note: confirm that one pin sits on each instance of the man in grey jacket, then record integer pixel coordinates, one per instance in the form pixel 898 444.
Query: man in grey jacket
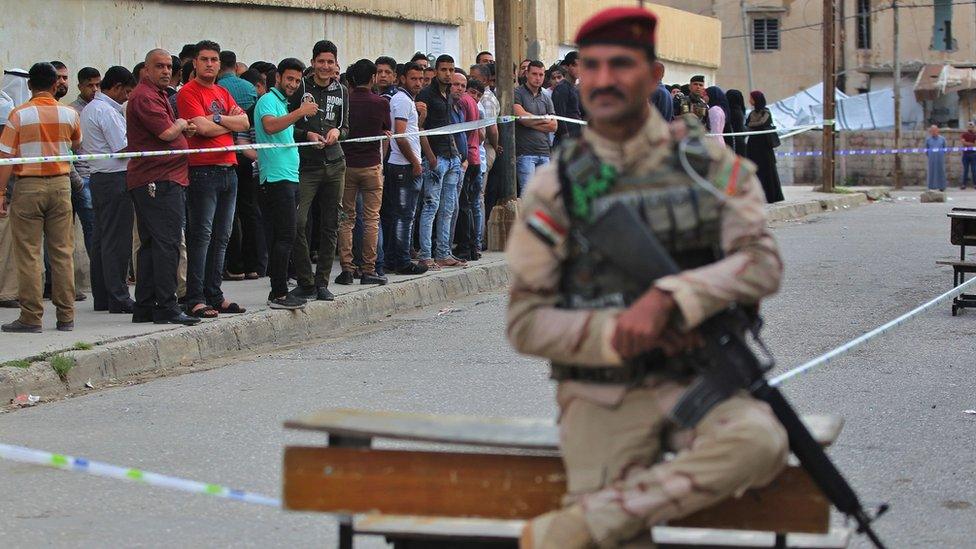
pixel 321 170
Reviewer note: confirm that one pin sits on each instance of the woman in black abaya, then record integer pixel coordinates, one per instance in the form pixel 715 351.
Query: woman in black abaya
pixel 759 148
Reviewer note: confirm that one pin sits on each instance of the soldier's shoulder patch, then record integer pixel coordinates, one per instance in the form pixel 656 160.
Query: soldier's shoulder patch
pixel 546 228
pixel 732 173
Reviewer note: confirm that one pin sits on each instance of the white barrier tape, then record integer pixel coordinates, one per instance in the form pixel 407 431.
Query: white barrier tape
pixel 444 130
pixel 884 328
pixel 70 463
pixel 871 152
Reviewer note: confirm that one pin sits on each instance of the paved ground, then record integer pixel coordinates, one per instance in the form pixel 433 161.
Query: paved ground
pixel 92 327
pixel 906 442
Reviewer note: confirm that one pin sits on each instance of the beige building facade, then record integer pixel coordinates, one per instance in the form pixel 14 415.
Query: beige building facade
pixel 102 33
pixel 783 40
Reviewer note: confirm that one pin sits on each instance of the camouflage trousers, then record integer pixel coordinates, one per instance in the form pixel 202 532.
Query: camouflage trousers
pixel 613 457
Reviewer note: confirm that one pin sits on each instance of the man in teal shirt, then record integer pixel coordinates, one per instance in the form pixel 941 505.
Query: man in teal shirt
pixel 278 173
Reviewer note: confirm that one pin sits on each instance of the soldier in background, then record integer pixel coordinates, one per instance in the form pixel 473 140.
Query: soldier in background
pixel 620 352
pixel 693 102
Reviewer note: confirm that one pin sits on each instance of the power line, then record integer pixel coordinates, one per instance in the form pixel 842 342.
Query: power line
pixel 855 16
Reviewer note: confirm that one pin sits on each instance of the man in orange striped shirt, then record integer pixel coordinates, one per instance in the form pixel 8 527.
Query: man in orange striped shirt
pixel 40 210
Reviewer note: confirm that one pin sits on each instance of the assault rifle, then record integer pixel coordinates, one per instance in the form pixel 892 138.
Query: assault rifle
pixel 727 363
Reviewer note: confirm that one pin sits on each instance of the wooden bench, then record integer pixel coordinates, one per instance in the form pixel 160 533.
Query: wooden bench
pixel 962 233
pixel 485 476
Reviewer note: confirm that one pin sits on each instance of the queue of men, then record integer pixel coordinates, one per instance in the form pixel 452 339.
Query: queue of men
pixel 180 225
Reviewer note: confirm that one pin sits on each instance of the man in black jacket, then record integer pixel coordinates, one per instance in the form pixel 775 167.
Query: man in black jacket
pixel 321 170
pixel 565 100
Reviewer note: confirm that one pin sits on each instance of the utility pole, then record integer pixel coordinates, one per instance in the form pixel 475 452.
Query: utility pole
pixel 505 90
pixel 746 43
pixel 829 85
pixel 896 88
pixel 842 38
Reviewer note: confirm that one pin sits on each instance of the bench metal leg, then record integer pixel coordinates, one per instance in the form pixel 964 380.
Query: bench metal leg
pixel 780 541
pixel 345 532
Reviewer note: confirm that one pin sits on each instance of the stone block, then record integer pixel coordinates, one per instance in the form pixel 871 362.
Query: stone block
pixel 932 196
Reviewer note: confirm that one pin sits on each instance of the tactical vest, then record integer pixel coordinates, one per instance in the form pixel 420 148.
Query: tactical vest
pixel 692 104
pixel 685 218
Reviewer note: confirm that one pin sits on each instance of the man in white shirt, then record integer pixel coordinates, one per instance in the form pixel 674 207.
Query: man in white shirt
pixel 103 131
pixel 403 181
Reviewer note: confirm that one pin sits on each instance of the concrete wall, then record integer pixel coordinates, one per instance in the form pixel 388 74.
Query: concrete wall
pixel 873 169
pixel 104 32
pixel 684 38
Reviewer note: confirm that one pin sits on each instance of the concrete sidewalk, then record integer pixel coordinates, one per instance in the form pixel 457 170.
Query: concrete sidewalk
pixel 106 347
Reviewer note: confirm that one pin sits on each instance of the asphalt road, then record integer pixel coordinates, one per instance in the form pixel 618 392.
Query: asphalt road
pixel 906 441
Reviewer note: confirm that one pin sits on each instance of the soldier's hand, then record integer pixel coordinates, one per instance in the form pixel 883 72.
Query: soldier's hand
pixel 674 342
pixel 639 328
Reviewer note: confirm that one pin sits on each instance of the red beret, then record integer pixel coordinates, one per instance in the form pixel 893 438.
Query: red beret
pixel 622 26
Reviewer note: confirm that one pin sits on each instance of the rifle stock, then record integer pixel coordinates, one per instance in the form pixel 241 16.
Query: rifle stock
pixel 728 364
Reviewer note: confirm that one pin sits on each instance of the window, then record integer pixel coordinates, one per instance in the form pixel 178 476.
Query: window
pixel 765 34
pixel 863 24
pixel 942 27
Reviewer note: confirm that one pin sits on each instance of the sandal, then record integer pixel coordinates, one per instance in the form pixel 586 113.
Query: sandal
pixel 203 312
pixel 233 276
pixel 231 309
pixel 252 276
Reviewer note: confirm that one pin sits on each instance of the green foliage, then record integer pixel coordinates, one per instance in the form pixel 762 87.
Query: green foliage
pixel 62 364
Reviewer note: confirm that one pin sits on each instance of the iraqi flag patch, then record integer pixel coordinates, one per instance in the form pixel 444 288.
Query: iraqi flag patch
pixel 545 228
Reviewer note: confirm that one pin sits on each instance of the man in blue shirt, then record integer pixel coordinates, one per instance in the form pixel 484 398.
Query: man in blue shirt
pixel 243 92
pixel 279 174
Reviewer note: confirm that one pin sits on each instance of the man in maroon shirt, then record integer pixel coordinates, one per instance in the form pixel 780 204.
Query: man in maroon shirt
pixel 156 185
pixel 212 195
pixel 369 115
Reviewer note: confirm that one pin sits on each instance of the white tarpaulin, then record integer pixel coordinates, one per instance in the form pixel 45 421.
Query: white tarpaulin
pixel 867 111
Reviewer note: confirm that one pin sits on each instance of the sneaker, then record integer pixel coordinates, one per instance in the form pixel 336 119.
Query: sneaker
pixel 345 278
pixel 286 301
pixel 322 293
pixel 451 261
pixel 373 278
pixel 303 292
pixel 9 304
pixel 18 327
pixel 66 326
pixel 430 264
pixel 412 269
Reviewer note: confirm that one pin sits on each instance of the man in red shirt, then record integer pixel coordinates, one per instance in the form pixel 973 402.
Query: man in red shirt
pixel 157 186
pixel 212 194
pixel 369 115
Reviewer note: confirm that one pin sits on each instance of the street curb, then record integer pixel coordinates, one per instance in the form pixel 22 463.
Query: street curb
pixel 264 330
pixel 830 202
pixel 261 331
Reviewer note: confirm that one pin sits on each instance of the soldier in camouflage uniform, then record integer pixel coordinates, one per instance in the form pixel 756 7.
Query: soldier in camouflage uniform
pixel 622 358
pixel 693 103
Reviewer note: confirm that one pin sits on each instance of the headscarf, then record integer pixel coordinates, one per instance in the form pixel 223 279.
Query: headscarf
pixel 758 98
pixel 737 103
pixel 13 92
pixel 716 98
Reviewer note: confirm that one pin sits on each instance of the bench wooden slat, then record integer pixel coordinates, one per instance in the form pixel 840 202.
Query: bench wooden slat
pixel 524 433
pixel 963 264
pixel 455 531
pixel 440 484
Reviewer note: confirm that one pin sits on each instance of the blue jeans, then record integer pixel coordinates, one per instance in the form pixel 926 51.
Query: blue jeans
pixel 440 199
pixel 968 168
pixel 400 192
pixel 525 166
pixel 211 200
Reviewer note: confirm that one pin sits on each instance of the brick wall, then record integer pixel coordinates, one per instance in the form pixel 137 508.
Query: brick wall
pixel 869 169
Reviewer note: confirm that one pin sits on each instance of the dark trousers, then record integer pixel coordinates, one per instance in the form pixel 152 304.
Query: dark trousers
pixel 401 189
pixel 466 232
pixel 111 249
pixel 968 168
pixel 212 199
pixel 320 185
pixel 247 251
pixel 279 206
pixel 159 220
